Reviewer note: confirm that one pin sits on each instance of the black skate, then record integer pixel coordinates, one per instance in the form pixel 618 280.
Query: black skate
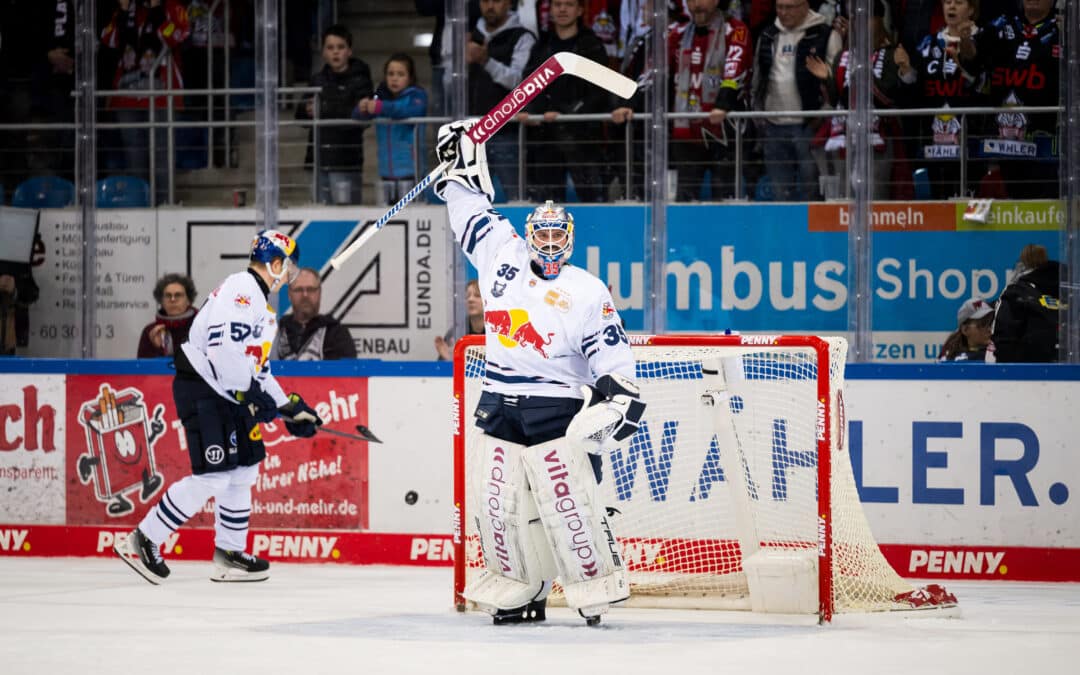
pixel 143 556
pixel 590 620
pixel 533 612
pixel 239 566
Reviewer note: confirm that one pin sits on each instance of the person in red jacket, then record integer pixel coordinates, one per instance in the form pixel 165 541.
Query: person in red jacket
pixel 145 35
pixel 710 59
pixel 175 295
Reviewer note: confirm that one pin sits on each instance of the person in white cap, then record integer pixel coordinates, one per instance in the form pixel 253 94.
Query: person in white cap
pixel 971 339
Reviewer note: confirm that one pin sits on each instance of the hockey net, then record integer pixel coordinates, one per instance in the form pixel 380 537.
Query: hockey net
pixel 736 492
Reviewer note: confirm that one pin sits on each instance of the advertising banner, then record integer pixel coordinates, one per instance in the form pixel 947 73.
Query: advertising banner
pixel 32 449
pixel 967 474
pixel 394 295
pixel 126 250
pixel 125 445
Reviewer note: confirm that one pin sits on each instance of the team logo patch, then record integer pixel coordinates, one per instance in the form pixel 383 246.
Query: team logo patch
pixel 256 433
pixel 214 454
pixel 559 299
pixel 242 301
pixel 607 312
pixel 232 441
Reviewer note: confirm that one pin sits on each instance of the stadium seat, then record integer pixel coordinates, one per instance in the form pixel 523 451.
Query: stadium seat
pixel 123 192
pixel 763 192
pixel 921 179
pixel 44 192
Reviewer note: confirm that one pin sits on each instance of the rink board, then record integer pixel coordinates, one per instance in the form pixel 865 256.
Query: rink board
pixel 965 472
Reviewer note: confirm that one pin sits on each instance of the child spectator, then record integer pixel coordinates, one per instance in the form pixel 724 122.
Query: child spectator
pixel 397 97
pixel 970 340
pixel 175 294
pixel 344 81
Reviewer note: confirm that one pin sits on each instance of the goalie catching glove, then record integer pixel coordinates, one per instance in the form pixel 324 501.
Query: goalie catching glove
pixel 301 420
pixel 468 161
pixel 612 411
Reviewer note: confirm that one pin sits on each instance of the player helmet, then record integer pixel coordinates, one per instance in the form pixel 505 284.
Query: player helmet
pixel 549 234
pixel 269 245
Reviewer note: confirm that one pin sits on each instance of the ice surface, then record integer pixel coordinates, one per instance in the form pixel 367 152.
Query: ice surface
pixel 76 616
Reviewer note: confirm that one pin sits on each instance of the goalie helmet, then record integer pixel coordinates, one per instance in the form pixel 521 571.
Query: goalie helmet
pixel 269 245
pixel 549 234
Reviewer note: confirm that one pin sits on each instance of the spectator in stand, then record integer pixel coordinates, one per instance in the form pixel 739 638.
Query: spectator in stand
pixel 635 43
pixel 971 339
pixel 209 40
pixel 573 147
pixel 345 81
pixel 1023 57
pixel 55 81
pixel 496 53
pixel 397 97
pixel 474 313
pixel 1027 325
pixel 440 50
pixel 307 335
pixel 893 77
pixel 145 36
pixel 783 81
pixel 175 295
pixel 709 59
pixel 17 292
pixel 949 76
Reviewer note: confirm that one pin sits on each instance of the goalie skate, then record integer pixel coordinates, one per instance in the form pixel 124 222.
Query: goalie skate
pixel 143 556
pixel 239 566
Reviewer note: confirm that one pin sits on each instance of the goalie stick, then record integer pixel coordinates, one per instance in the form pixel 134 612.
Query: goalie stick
pixel 558 64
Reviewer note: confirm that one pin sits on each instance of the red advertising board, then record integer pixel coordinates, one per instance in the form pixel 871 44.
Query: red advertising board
pixel 125 446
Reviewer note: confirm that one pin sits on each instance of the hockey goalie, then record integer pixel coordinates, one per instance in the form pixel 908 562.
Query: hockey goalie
pixel 559 388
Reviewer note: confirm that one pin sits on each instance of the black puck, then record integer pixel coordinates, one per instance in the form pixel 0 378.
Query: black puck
pixel 411 497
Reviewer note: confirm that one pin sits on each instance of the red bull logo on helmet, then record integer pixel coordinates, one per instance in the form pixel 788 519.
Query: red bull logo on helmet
pixel 513 328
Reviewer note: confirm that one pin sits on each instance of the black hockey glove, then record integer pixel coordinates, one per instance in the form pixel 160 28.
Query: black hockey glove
pixel 301 420
pixel 260 404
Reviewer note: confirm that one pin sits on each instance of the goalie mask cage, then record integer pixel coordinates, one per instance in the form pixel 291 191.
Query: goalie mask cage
pixel 736 492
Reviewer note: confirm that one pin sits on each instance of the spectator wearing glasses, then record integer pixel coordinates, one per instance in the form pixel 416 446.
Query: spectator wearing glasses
pixel 175 295
pixel 307 335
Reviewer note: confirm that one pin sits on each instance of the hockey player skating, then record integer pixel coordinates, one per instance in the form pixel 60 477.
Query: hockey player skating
pixel 553 339
pixel 222 390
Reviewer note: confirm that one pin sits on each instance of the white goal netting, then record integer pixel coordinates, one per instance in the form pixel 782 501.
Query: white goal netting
pixel 740 451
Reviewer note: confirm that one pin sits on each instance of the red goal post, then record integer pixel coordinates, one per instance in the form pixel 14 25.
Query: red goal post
pixel 736 492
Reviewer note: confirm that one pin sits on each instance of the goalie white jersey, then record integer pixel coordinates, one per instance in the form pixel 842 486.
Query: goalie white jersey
pixel 231 338
pixel 537 329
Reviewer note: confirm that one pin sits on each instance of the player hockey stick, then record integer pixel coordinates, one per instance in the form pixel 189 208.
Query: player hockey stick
pixel 562 63
pixel 363 433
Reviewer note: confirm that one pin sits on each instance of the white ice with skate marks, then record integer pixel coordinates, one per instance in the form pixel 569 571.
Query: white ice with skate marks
pixel 85 616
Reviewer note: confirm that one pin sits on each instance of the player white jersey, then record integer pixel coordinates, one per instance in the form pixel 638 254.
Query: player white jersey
pixel 537 329
pixel 231 337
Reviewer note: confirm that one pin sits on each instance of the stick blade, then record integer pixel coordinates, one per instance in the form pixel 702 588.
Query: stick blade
pixel 601 76
pixel 366 434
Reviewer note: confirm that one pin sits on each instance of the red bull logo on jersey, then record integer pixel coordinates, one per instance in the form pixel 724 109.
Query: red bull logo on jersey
pixel 514 329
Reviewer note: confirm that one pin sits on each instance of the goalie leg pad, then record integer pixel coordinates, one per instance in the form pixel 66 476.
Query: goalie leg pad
pixel 502 506
pixel 586 554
